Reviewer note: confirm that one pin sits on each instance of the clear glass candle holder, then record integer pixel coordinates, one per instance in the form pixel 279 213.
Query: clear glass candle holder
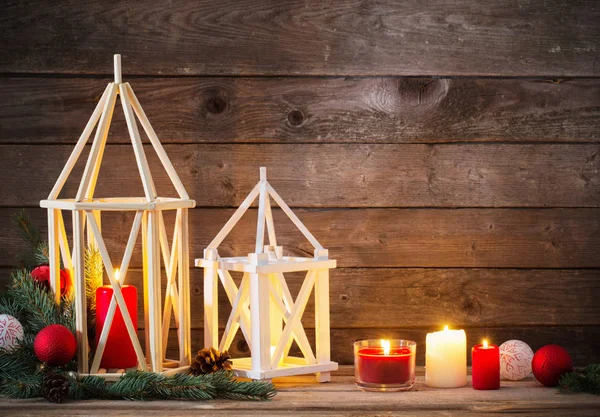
pixel 384 364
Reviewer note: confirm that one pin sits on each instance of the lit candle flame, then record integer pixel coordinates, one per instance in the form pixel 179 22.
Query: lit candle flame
pixel 485 344
pixel 117 274
pixel 446 328
pixel 385 344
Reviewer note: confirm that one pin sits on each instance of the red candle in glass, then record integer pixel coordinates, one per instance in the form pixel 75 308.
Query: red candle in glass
pixel 485 361
pixel 118 351
pixel 385 366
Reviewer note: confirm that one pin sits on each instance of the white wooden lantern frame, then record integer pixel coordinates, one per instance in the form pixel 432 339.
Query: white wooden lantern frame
pixel 86 211
pixel 263 302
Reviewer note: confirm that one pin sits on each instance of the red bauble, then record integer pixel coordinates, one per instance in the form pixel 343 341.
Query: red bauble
pixel 42 275
pixel 55 345
pixel 549 363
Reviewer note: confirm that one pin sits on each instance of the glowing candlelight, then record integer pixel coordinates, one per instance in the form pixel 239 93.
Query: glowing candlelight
pixel 385 344
pixel 272 349
pixel 486 366
pixel 446 359
pixel 384 364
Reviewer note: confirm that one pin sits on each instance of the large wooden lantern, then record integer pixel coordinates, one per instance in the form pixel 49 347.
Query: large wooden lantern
pixel 148 219
pixel 262 306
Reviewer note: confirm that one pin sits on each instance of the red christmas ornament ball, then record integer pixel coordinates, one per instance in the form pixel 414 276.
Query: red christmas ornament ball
pixel 551 362
pixel 42 275
pixel 55 345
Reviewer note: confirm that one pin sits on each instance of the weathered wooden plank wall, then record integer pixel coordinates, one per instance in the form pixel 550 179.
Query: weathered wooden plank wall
pixel 300 37
pixel 446 152
pixel 315 109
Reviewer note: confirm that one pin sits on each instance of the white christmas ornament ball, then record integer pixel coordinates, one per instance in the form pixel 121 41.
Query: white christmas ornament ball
pixel 11 332
pixel 515 360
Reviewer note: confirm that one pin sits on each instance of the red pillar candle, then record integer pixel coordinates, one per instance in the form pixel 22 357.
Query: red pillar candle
pixel 118 351
pixel 485 361
pixel 385 365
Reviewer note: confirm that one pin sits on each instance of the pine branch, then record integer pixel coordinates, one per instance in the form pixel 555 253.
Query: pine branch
pixel 19 373
pixel 10 307
pixel 183 386
pixel 586 380
pixel 87 388
pixel 22 386
pixel 37 303
pixel 141 385
pixel 38 253
pixel 29 232
pixel 136 385
pixel 41 254
pixel 19 361
pixel 16 365
pixel 228 387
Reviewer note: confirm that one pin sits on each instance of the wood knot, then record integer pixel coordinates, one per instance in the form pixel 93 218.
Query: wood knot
pixel 227 186
pixel 430 291
pixel 415 92
pixel 242 346
pixel 295 117
pixel 197 290
pixel 216 105
pixel 469 305
pixel 344 297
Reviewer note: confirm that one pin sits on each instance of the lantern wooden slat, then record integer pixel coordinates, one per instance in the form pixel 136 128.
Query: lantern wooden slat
pixel 87 217
pixel 80 291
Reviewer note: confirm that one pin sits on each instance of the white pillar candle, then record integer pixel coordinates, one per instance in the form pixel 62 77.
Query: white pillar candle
pixel 446 359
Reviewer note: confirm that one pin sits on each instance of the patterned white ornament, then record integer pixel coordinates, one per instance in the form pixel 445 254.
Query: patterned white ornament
pixel 515 360
pixel 11 331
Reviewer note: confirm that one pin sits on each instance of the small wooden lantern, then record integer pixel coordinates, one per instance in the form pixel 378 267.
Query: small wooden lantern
pixel 263 303
pixel 148 210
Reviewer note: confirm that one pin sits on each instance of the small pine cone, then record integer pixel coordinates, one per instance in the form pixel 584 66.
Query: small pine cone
pixel 210 360
pixel 55 387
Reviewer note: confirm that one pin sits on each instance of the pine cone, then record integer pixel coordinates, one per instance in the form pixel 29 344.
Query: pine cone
pixel 210 360
pixel 55 387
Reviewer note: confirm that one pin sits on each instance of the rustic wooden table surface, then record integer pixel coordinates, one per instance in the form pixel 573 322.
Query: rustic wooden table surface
pixel 301 396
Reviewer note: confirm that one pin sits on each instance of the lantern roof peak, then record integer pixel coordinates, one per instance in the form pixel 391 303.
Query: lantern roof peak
pixel 264 191
pixel 100 120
